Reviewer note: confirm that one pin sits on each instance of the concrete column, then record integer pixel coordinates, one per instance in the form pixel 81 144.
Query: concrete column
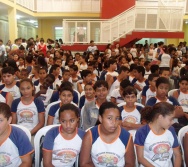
pixel 12 22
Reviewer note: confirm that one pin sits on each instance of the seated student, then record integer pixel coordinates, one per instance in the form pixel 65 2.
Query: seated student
pixel 86 76
pixel 66 96
pixel 107 144
pixel 58 62
pixel 10 84
pixel 139 81
pixel 29 65
pixel 55 71
pixel 44 91
pixel 130 113
pixel 6 97
pixel 42 75
pixel 182 93
pixel 123 74
pixel 104 71
pixel 91 67
pixel 136 60
pixel 132 72
pixel 162 88
pixel 62 144
pixel 147 65
pixel 185 147
pixel 34 73
pixel 27 110
pixel 154 69
pixel 112 65
pixel 15 148
pixel 149 90
pixel 55 95
pixel 184 70
pixel 24 73
pixel 165 72
pixel 89 95
pixel 74 77
pixel 156 142
pixel 117 94
pixel 91 109
pixel 141 61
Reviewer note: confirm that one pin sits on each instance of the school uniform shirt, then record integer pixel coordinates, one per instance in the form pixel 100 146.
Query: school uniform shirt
pixel 64 152
pixel 115 94
pixel 148 93
pixel 113 74
pixel 16 145
pixel 83 101
pixel 15 91
pixel 109 154
pixel 183 98
pixel 147 73
pixel 27 115
pixel 165 60
pixel 170 100
pixel 115 85
pixel 3 96
pixel 158 149
pixel 45 97
pixel 141 84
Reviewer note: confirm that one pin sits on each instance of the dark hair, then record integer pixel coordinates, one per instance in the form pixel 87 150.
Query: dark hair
pixel 29 59
pixel 25 70
pixel 162 69
pixel 26 80
pixel 124 83
pixel 42 68
pixel 123 68
pixel 54 67
pixel 71 107
pixel 140 69
pixel 41 61
pixel 111 61
pixel 99 84
pixel 9 70
pixel 146 63
pixel 149 113
pixel 151 76
pixel 107 105
pixel 88 84
pixel 129 90
pixel 154 68
pixel 132 67
pixel 85 73
pixel 74 67
pixel 162 80
pixel 66 88
pixel 183 78
pixel 5 110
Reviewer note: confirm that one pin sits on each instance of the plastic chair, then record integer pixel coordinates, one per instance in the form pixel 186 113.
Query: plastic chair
pixel 136 159
pixel 28 133
pixel 170 93
pixel 181 134
pixel 139 97
pixel 124 103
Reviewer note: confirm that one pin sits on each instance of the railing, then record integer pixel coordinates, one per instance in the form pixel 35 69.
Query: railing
pixel 29 4
pixel 136 18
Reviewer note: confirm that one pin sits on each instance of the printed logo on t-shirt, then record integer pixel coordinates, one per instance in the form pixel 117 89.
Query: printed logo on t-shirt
pixel 161 151
pixel 13 93
pixel 184 102
pixel 26 116
pixel 4 159
pixel 107 159
pixel 130 119
pixel 65 156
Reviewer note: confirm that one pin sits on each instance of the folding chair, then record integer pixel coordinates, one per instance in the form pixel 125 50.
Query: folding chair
pixel 124 103
pixel 181 134
pixel 170 93
pixel 28 133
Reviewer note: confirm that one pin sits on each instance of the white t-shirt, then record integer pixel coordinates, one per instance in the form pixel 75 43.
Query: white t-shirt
pixel 92 49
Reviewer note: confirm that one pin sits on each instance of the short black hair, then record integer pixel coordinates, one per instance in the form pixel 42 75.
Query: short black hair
pixel 162 69
pixel 66 88
pixel 132 67
pixel 99 84
pixel 125 83
pixel 154 68
pixel 85 73
pixel 151 76
pixel 129 90
pixel 140 69
pixel 54 67
pixel 9 70
pixel 108 105
pixel 74 67
pixel 146 63
pixel 5 110
pixel 71 107
pixel 123 68
pixel 183 78
pixel 162 80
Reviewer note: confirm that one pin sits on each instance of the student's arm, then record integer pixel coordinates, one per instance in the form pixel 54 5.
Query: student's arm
pixel 50 120
pixel 177 157
pixel 39 125
pixel 143 100
pixel 9 99
pixel 136 86
pixel 131 126
pixel 85 154
pixel 47 158
pixel 185 146
pixel 79 87
pixel 129 155
pixel 178 112
pixel 26 160
pixel 110 80
pixel 175 94
pixel 14 118
pixel 140 156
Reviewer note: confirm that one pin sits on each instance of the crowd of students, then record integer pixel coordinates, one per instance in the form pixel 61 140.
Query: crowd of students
pixel 106 103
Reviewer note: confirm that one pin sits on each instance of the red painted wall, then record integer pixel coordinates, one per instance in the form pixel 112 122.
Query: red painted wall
pixel 111 8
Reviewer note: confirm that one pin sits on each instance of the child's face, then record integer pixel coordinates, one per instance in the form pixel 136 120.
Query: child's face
pixel 166 121
pixel 137 74
pixel 21 61
pixel 142 62
pixel 114 66
pixel 153 82
pixel 136 61
pixel 123 61
pixel 4 123
pixel 90 68
pixel 162 90
pixel 110 119
pixel 165 74
pixel 72 72
pixel 71 62
pixel 42 74
pixel 101 92
pixel 8 78
pixel 77 57
pixel 88 78
pixel 66 76
pixel 183 86
pixel 66 97
pixel 69 122
pixel 91 58
pixel 51 61
pixel 57 71
pixel 148 67
pixel 125 74
pixel 89 91
pixel 130 99
pixel 26 89
pixel 58 62
pixel 15 57
pixel 47 82
pixel 23 74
